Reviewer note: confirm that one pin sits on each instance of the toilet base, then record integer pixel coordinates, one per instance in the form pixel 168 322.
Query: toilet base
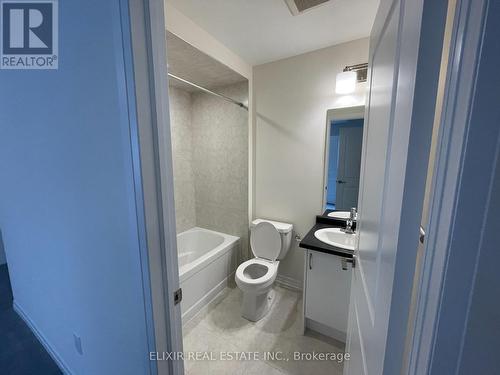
pixel 256 306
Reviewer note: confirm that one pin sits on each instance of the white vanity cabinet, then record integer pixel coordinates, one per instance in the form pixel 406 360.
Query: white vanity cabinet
pixel 326 294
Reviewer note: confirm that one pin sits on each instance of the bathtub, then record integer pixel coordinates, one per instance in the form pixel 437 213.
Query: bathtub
pixel 207 261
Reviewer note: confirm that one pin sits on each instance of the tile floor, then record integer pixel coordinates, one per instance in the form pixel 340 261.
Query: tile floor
pixel 220 328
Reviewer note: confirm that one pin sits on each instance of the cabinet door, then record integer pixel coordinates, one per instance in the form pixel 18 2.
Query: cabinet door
pixel 327 290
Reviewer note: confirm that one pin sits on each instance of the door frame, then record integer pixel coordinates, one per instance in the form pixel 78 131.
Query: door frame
pixel 336 114
pixel 443 244
pixel 147 90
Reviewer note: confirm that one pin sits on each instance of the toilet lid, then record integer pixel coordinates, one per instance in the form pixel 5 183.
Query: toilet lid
pixel 265 241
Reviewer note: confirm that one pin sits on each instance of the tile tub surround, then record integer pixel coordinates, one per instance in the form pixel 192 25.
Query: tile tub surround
pixel 210 157
pixel 182 146
pixel 220 162
pixel 221 328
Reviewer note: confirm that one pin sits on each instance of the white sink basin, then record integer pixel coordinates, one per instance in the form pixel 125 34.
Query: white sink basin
pixel 340 215
pixel 335 237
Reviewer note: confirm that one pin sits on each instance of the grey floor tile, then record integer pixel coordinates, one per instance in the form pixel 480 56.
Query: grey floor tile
pixel 221 329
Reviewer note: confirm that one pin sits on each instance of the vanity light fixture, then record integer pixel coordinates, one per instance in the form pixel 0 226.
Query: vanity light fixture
pixel 346 81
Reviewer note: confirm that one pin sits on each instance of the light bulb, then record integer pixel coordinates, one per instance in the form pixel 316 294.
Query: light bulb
pixel 346 83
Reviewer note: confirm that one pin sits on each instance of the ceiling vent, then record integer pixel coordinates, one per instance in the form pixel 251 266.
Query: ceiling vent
pixel 300 6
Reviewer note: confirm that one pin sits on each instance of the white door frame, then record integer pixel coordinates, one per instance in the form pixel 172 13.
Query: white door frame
pixel 336 114
pixel 447 248
pixel 148 87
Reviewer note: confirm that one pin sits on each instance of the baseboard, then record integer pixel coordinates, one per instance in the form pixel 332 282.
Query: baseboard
pixel 206 300
pixel 289 282
pixel 45 343
pixel 326 330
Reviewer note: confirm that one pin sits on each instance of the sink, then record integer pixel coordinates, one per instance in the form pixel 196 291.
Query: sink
pixel 340 215
pixel 335 237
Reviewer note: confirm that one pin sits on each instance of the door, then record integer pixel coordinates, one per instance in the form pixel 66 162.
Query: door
pixel 403 74
pixel 369 299
pixel 350 143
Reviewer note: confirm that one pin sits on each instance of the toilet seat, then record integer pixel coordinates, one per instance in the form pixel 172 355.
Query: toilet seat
pixel 269 241
pixel 265 241
pixel 261 281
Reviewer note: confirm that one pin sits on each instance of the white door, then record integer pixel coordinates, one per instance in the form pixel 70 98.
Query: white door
pixel 369 298
pixel 350 143
pixel 390 192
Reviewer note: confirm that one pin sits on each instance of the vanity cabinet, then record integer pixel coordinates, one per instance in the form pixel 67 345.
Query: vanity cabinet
pixel 326 294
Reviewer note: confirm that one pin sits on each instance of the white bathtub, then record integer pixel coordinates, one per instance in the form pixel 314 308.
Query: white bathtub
pixel 207 261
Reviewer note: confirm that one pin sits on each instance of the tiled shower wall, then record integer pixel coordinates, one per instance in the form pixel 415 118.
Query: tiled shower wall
pixel 210 152
pixel 182 150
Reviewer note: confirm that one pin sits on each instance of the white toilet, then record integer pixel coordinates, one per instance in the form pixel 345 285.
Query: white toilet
pixel 270 242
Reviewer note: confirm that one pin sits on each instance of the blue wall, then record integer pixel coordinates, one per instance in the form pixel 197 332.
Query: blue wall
pixel 3 260
pixel 67 208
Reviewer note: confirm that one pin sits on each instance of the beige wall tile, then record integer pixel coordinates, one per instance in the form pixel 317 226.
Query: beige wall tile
pixel 210 154
pixel 220 162
pixel 182 145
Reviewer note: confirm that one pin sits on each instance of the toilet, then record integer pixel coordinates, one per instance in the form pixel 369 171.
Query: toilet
pixel 270 242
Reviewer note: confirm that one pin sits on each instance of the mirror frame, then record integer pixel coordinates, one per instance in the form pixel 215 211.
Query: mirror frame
pixel 335 114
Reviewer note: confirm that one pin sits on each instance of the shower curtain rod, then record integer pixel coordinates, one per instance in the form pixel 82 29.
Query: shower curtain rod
pixel 228 99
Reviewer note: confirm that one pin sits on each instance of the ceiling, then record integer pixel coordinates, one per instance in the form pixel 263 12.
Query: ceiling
pixel 261 31
pixel 189 63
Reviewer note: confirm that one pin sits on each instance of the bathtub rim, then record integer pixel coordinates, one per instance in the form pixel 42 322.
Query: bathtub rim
pixel 188 270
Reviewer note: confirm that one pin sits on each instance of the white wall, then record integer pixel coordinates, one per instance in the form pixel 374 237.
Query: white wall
pixel 292 97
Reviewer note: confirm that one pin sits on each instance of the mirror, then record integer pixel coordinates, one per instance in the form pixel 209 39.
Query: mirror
pixel 344 141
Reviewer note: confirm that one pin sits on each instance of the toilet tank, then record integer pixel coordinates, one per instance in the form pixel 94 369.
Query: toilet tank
pixel 285 231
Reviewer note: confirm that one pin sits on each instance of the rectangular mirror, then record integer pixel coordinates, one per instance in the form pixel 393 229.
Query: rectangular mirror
pixel 344 141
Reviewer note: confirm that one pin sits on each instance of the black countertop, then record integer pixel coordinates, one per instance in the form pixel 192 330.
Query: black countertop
pixel 325 219
pixel 312 243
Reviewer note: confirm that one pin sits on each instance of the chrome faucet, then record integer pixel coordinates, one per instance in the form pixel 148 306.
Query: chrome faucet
pixel 349 222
